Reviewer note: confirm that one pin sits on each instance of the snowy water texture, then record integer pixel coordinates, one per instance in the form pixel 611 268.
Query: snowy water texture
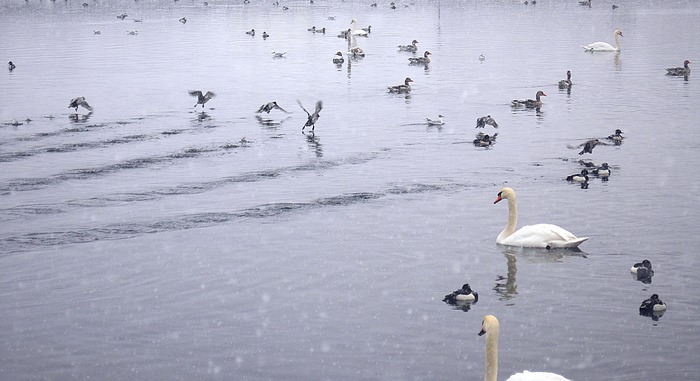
pixel 152 240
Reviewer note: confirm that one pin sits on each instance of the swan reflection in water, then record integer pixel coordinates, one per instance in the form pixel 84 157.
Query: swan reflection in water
pixel 506 286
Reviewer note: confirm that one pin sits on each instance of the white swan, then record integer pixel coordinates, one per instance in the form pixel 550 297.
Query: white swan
pixel 357 32
pixel 541 235
pixel 604 46
pixel 490 327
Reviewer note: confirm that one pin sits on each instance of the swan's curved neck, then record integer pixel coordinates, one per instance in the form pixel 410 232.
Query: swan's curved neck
pixel 491 372
pixel 512 219
pixel 617 41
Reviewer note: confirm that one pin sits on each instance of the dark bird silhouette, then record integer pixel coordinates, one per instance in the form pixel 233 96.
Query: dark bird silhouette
pixel 267 107
pixel 589 145
pixel 79 101
pixel 312 117
pixel 484 120
pixel 11 66
pixel 202 98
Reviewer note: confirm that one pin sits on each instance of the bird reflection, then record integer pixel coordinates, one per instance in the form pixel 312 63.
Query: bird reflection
pixel 505 285
pixel 314 144
pixel 79 118
pixel 202 116
pixel 270 122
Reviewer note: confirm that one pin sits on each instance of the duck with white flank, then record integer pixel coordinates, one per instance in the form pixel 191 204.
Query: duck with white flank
pixel 79 101
pixel 653 304
pixel 602 171
pixel 464 294
pixel 616 137
pixel 11 66
pixel 566 83
pixel 579 177
pixel 679 71
pixel 484 120
pixel 338 58
pixel 267 107
pixel 265 35
pixel 250 32
pixel 529 103
pixel 435 122
pixel 311 118
pixel 420 60
pixel 402 89
pixel 484 140
pixel 412 47
pixel 278 54
pixel 202 98
pixel 183 20
pixel 643 271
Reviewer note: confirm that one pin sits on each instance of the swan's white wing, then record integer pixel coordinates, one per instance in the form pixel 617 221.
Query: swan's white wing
pixel 536 376
pixel 542 235
pixel 600 47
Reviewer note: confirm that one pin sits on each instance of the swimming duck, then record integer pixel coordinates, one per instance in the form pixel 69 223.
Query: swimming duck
pixel 529 103
pixel 643 270
pixel 392 5
pixel 265 35
pixel 267 107
pixel 585 2
pixel 484 140
pixel 420 60
pixel 373 5
pixel 132 32
pixel 11 66
pixel 579 177
pixel 278 54
pixel 250 32
pixel 356 52
pixel 311 118
pixel 566 83
pixel 653 304
pixel 344 33
pixel 677 71
pixel 464 294
pixel 482 58
pixel 79 101
pixel 435 122
pixel 96 32
pixel 368 29
pixel 409 48
pixel 138 20
pixel 331 17
pixel 484 120
pixel 322 30
pixel 401 89
pixel 615 7
pixel 182 20
pixel 312 29
pixel 122 16
pixel 602 171
pixel 338 58
pixel 202 98
pixel 616 137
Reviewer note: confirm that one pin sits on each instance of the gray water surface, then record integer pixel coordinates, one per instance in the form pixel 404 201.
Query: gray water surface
pixel 149 240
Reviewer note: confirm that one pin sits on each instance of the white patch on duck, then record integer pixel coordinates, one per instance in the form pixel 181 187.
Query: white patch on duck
pixel 338 58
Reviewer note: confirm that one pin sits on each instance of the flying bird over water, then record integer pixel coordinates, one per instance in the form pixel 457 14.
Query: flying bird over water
pixel 202 98
pixel 267 107
pixel 312 118
pixel 79 101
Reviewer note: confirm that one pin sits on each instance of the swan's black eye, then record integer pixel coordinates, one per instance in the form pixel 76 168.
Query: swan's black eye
pixel 499 194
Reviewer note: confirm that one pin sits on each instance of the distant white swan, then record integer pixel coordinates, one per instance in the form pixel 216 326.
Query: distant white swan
pixel 357 32
pixel 604 46
pixel 490 327
pixel 541 235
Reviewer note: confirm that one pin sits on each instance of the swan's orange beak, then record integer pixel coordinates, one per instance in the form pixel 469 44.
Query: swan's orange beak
pixel 498 198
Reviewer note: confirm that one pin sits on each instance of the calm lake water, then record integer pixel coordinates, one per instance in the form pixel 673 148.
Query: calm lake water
pixel 149 240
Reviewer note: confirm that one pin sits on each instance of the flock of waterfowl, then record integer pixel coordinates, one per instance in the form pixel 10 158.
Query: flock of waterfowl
pixel 546 236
